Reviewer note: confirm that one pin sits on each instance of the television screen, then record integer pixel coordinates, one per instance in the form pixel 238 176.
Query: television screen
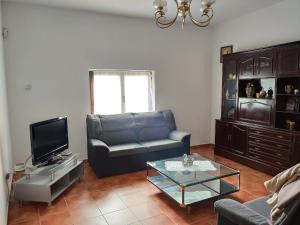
pixel 48 138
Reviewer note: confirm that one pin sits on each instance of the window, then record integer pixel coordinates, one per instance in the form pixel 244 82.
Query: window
pixel 115 91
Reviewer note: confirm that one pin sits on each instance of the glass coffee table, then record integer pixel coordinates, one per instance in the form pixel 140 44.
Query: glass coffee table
pixel 203 179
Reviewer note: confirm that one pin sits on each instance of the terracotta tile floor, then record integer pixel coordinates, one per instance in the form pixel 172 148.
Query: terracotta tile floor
pixel 130 199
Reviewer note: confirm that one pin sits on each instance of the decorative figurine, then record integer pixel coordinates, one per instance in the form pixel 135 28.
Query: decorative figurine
pixel 270 93
pixel 190 160
pixel 262 93
pixel 290 125
pixel 185 160
pixel 227 94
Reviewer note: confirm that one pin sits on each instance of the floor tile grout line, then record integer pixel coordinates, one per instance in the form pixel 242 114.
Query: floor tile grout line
pixel 98 208
pixel 92 217
pixel 170 219
pixel 138 220
pixel 39 216
pixel 113 210
pixel 68 208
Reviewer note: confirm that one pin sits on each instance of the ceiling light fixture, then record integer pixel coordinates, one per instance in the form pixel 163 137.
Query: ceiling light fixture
pixel 183 9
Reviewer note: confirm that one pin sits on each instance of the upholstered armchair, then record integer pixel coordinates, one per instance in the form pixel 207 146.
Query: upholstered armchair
pixel 255 212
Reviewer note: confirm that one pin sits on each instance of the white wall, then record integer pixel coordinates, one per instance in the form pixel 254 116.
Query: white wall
pixel 52 49
pixel 5 148
pixel 270 26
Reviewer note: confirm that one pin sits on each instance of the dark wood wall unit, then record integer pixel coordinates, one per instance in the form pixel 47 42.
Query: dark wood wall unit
pixel 296 149
pixel 260 63
pixel 253 130
pixel 288 61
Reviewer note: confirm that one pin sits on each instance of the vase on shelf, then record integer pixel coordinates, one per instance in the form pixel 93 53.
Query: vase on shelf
pixel 250 90
pixel 270 93
pixel 289 89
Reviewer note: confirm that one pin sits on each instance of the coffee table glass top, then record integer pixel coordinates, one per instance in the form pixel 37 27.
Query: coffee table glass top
pixel 202 170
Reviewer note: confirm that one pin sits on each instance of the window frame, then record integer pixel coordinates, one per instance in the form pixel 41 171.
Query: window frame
pixel 122 74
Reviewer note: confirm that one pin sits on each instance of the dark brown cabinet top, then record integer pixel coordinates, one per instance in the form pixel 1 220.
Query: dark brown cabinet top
pixel 254 126
pixel 271 68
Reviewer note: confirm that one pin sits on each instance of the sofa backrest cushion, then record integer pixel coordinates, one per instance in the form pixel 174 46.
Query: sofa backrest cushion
pixel 169 116
pixel 151 126
pixel 93 126
pixel 118 129
pixel 130 127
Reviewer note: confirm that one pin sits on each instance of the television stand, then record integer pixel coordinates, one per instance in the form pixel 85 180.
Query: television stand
pixel 45 184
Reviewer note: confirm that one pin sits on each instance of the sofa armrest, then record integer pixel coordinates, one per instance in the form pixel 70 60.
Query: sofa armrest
pixel 98 145
pixel 177 135
pixel 238 213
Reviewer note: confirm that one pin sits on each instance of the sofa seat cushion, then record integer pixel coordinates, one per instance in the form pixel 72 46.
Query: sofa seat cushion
pixel 260 206
pixel 126 149
pixel 160 145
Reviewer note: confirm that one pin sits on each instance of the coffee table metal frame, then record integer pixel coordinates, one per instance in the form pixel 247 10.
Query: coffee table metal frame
pixel 183 187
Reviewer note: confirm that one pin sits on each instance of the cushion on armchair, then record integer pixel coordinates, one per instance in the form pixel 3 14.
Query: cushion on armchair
pixel 260 206
pixel 235 213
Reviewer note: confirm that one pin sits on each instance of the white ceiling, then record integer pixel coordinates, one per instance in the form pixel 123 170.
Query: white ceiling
pixel 223 9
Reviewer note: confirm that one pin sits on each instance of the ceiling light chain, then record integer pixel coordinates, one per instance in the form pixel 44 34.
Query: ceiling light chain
pixel 183 9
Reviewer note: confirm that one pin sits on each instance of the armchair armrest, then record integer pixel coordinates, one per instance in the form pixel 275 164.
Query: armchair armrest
pixel 177 135
pixel 238 213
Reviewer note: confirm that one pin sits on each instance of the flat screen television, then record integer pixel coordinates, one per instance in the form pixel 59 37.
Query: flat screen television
pixel 48 138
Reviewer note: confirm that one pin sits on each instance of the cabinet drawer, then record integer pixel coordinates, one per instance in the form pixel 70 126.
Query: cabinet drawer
pixel 284 146
pixel 285 142
pixel 268 160
pixel 275 135
pixel 270 152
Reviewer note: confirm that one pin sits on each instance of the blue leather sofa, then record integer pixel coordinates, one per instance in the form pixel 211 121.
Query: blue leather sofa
pixel 125 142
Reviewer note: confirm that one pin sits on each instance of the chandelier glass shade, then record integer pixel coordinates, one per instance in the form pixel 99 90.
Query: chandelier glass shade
pixel 183 10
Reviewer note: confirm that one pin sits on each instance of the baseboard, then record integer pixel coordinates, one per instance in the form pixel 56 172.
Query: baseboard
pixel 203 145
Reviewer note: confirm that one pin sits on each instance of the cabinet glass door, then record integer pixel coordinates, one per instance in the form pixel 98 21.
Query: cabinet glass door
pixel 229 90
